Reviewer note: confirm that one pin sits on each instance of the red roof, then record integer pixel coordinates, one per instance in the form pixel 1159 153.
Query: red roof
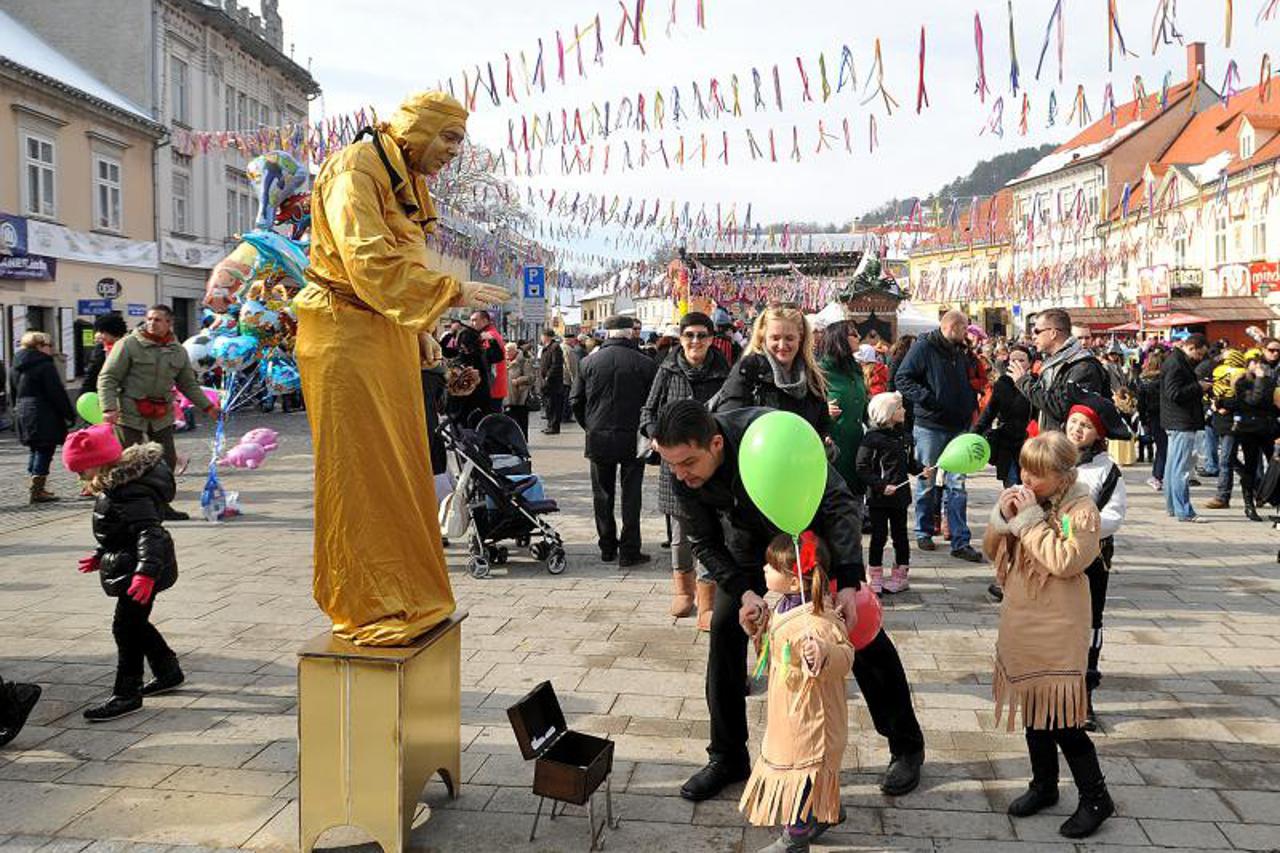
pixel 1126 114
pixel 965 231
pixel 1215 130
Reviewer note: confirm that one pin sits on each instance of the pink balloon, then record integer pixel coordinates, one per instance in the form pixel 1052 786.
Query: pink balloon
pixel 247 455
pixel 870 618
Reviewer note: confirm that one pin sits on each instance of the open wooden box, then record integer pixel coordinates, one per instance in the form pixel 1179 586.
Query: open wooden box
pixel 568 766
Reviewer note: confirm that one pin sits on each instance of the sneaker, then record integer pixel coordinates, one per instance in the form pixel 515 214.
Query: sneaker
pixel 1155 484
pixel 897 581
pixel 925 543
pixel 1195 519
pixel 875 577
pixel 968 552
pixel 996 592
pixel 164 682
pixel 1192 481
pixel 114 708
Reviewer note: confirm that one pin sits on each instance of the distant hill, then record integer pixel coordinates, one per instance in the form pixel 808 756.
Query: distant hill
pixel 986 178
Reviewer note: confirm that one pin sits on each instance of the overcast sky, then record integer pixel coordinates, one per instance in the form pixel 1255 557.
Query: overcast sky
pixel 360 57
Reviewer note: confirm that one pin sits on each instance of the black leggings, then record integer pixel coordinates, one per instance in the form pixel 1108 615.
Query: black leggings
pixel 1098 573
pixel 136 639
pixel 1254 449
pixel 883 520
pixel 1077 748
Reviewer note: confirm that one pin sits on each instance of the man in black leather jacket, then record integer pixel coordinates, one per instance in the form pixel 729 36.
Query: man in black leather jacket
pixel 729 535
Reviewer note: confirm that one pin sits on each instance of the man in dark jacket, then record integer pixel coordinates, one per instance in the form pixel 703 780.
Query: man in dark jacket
pixel 935 378
pixel 551 374
pixel 607 399
pixel 107 329
pixel 1182 416
pixel 1069 371
pixel 728 534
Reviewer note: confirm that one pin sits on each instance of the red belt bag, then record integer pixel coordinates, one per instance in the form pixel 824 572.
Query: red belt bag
pixel 151 408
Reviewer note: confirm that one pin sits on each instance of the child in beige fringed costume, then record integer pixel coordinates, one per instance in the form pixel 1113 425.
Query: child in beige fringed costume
pixel 1042 537
pixel 796 781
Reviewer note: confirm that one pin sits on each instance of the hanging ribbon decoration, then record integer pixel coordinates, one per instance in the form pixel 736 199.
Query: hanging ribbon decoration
pixel 980 88
pixel 1125 196
pixel 804 81
pixel 1026 113
pixel 878 68
pixel 1109 103
pixel 1229 89
pixel 777 88
pixel 1268 10
pixel 1164 26
pixel 1114 35
pixel 873 137
pixel 922 94
pixel 1139 96
pixel 995 124
pixel 1164 90
pixel 1013 53
pixel 755 81
pixel 1264 78
pixel 846 61
pixel 1055 17
pixel 822 74
pixel 1229 23
pixel 1053 107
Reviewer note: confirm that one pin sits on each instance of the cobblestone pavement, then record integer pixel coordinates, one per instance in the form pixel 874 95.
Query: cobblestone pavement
pixel 1190 703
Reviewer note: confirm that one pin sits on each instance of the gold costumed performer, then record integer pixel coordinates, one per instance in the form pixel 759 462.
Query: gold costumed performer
pixel 380 571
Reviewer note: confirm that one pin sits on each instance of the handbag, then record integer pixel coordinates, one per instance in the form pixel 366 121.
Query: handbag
pixel 644 450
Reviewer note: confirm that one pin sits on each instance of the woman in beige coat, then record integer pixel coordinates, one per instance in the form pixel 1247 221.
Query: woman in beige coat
pixel 521 374
pixel 1041 538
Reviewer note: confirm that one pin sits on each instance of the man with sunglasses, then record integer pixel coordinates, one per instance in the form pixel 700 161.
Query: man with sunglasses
pixel 1069 373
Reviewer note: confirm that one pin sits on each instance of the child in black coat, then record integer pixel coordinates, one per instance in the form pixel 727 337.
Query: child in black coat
pixel 134 560
pixel 886 464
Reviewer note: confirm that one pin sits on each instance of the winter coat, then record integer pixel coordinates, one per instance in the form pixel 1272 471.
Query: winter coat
pixel 97 358
pixel 1092 472
pixel 885 458
pixel 1181 397
pixel 1040 556
pixel 522 375
pixel 496 346
pixel 807 726
pixel 849 392
pixel 729 535
pixel 1255 406
pixel 750 383
pixel 551 369
pixel 934 376
pixel 1004 419
pixel 127 521
pixel 42 411
pixel 1066 377
pixel 139 368
pixel 678 380
pixel 572 358
pixel 611 389
pixel 1149 402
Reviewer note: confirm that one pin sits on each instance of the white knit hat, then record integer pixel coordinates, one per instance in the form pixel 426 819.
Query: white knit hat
pixel 866 354
pixel 881 408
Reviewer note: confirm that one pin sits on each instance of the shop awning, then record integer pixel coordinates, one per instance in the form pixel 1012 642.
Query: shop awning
pixel 1164 321
pixel 1219 309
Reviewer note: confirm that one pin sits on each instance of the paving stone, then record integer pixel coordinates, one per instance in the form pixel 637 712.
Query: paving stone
pixel 223 780
pixel 169 817
pixel 43 808
pixel 1184 833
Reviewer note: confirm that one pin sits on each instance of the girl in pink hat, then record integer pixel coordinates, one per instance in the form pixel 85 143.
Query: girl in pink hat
pixel 135 557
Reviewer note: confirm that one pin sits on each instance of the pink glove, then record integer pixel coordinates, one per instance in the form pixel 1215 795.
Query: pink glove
pixel 141 589
pixel 88 564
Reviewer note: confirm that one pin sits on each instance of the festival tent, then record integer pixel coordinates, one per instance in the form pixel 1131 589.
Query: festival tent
pixel 914 322
pixel 833 313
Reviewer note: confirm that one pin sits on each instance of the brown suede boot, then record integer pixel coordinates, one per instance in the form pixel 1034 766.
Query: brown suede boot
pixel 706 595
pixel 40 495
pixel 681 594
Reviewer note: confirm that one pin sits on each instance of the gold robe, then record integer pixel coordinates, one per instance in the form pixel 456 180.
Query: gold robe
pixel 380 571
pixel 807 724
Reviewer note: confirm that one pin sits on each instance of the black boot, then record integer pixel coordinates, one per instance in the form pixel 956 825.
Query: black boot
pixel 1095 804
pixel 1043 790
pixel 714 778
pixel 114 708
pixel 1250 509
pixel 16 702
pixel 167 676
pixel 1092 678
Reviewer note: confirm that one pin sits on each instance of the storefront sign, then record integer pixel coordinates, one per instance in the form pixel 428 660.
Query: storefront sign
pixel 190 253
pixel 1229 280
pixel 13 235
pixel 137 309
pixel 93 307
pixel 28 268
pixel 46 238
pixel 1264 277
pixel 108 288
pixel 1188 277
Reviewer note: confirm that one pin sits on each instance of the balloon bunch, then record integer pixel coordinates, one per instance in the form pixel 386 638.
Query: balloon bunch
pixel 252 450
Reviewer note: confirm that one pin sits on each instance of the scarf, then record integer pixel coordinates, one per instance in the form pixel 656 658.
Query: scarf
pixel 167 339
pixel 692 372
pixel 1071 351
pixel 788 602
pixel 797 387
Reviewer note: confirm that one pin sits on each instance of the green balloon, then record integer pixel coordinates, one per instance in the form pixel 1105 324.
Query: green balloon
pixel 784 469
pixel 967 453
pixel 89 407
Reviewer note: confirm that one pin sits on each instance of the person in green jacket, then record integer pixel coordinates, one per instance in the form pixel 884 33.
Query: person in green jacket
pixel 846 398
pixel 135 387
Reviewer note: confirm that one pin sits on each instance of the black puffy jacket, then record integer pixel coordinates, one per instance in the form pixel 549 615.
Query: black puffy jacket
pixel 608 397
pixel 934 376
pixel 1181 396
pixel 1256 408
pixel 127 521
pixel 41 407
pixel 750 383
pixel 885 458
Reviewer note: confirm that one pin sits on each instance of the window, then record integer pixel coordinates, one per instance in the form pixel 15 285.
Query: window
pixel 106 193
pixel 181 202
pixel 1260 238
pixel 39 183
pixel 180 90
pixel 1246 142
pixel 242 112
pixel 241 207
pixel 1220 238
pixel 1180 252
pixel 229 109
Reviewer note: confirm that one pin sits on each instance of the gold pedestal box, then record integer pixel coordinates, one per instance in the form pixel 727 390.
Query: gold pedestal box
pixel 1123 453
pixel 374 724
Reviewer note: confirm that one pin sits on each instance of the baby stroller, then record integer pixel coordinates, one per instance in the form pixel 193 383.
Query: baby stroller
pixel 497 496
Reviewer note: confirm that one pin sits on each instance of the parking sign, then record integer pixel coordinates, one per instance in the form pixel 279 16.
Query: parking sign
pixel 535 279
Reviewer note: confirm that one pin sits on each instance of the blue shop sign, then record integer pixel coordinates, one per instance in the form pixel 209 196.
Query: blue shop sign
pixel 28 268
pixel 13 234
pixel 137 309
pixel 93 307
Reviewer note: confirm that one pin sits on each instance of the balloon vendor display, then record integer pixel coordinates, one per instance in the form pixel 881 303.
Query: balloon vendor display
pixel 967 453
pixel 249 346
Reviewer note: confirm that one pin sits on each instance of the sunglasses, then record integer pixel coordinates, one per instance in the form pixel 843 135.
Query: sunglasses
pixel 1045 329
pixel 1273 349
pixel 695 336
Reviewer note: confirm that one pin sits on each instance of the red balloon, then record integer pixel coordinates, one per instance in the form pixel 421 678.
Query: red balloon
pixel 870 618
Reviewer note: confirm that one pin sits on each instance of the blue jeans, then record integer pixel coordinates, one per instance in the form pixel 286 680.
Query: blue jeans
pixel 955 500
pixel 1177 473
pixel 1209 451
pixel 1226 465
pixel 39 459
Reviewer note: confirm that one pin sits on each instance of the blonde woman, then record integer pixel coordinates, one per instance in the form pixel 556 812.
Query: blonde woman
pixel 1042 537
pixel 778 370
pixel 42 410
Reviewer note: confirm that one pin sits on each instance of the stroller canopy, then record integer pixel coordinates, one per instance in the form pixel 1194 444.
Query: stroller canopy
pixel 500 434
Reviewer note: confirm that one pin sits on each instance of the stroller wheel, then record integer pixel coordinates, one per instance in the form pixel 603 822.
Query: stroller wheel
pixel 556 562
pixel 539 550
pixel 522 541
pixel 478 567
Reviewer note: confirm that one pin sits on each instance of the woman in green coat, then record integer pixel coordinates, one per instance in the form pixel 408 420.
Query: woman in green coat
pixel 846 397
